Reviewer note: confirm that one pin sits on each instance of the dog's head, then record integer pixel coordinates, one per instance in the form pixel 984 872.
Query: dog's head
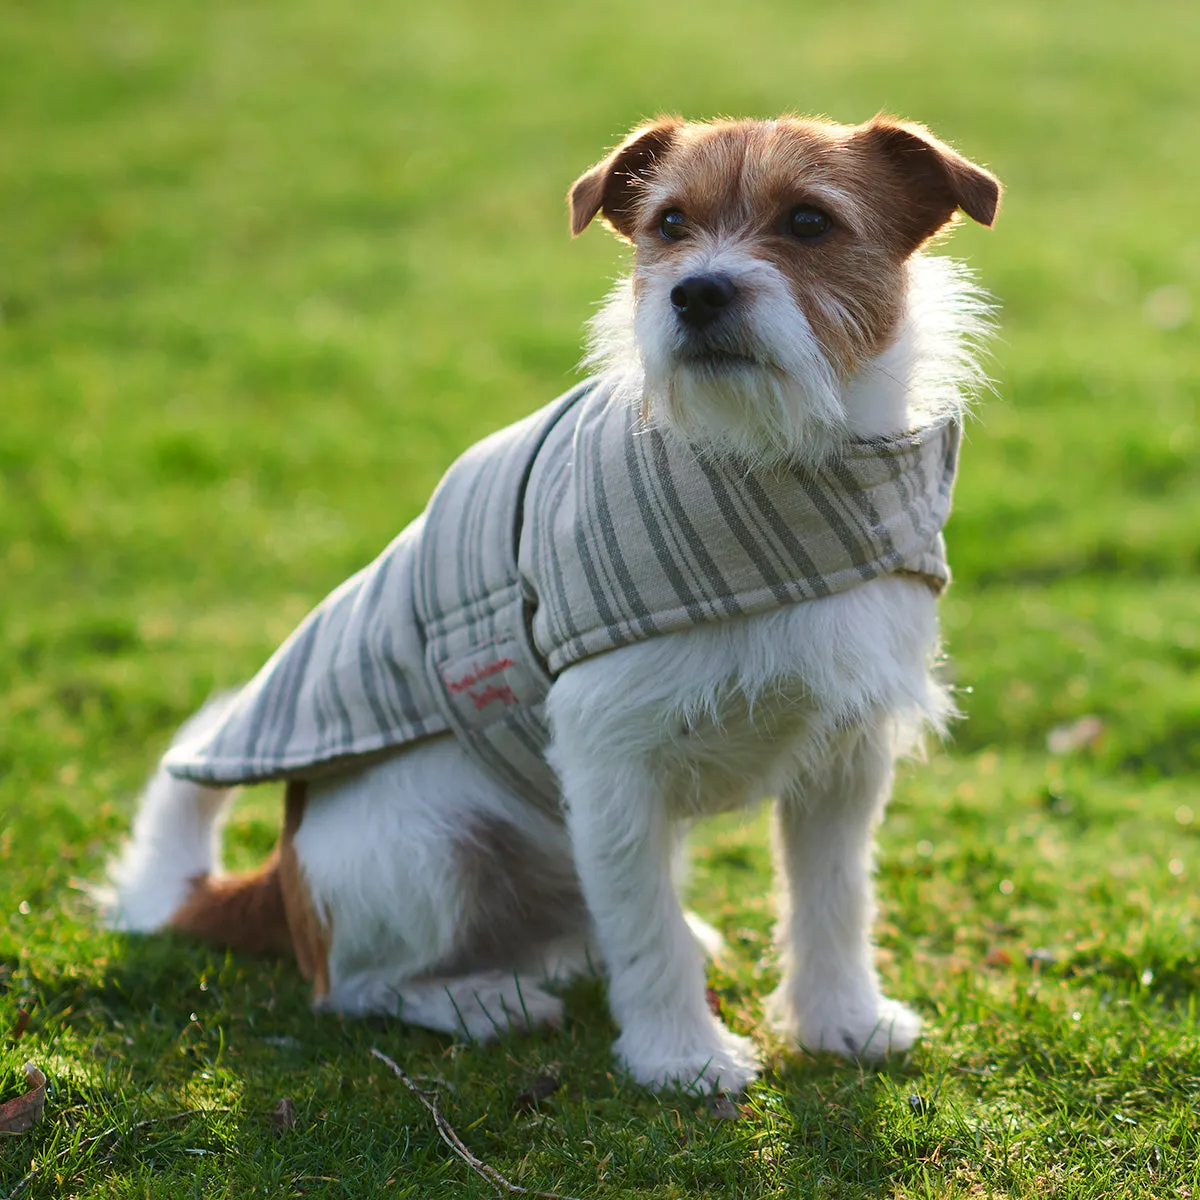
pixel 772 264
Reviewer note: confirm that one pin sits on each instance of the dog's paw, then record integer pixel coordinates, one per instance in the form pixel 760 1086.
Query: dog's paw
pixel 715 1060
pixel 895 1028
pixel 485 1009
pixel 480 1007
pixel 870 1027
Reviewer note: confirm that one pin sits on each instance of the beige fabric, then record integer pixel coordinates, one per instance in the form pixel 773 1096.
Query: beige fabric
pixel 573 532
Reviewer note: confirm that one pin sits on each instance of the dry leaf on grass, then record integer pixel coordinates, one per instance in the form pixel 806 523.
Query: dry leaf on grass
pixel 722 1108
pixel 16 1116
pixel 283 1115
pixel 543 1085
pixel 20 1024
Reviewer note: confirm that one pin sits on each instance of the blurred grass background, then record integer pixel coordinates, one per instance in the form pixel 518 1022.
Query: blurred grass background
pixel 265 269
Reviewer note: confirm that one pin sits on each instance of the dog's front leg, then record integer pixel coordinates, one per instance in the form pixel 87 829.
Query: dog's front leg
pixel 621 836
pixel 830 998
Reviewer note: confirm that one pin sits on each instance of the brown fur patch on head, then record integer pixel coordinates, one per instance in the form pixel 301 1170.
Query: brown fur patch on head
pixel 930 179
pixel 887 188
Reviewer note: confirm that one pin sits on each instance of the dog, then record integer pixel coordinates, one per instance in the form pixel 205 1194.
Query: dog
pixel 480 806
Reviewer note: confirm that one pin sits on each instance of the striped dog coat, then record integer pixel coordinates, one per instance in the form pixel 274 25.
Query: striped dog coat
pixel 572 532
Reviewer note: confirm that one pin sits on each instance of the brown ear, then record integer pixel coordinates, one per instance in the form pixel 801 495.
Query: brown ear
pixel 936 180
pixel 610 187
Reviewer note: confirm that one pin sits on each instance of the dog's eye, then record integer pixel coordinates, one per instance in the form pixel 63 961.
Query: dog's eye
pixel 673 224
pixel 808 223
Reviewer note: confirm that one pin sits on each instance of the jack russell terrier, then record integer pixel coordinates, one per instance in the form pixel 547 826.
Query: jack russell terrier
pixel 706 576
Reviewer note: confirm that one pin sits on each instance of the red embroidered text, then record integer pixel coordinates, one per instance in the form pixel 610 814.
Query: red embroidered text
pixel 478 671
pixel 494 691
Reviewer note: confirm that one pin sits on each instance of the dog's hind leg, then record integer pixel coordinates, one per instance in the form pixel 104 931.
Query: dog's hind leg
pixel 450 902
pixel 169 874
pixel 480 1006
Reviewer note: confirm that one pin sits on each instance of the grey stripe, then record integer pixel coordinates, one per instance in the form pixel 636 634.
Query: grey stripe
pixel 404 695
pixel 369 679
pixel 321 716
pixel 288 690
pixel 752 545
pixel 910 502
pixel 272 700
pixel 638 609
pixel 564 626
pixel 812 576
pixel 720 592
pixel 652 509
pixel 588 563
pixel 925 509
pixel 341 711
pixel 533 741
pixel 374 672
pixel 654 458
pixel 909 497
pixel 469 567
pixel 425 585
pixel 691 554
pixel 496 761
pixel 858 555
pixel 769 545
pixel 877 531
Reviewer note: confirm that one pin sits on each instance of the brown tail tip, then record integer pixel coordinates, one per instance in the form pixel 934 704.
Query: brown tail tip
pixel 240 912
pixel 268 911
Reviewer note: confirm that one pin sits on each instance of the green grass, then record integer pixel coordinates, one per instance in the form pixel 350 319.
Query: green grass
pixel 264 269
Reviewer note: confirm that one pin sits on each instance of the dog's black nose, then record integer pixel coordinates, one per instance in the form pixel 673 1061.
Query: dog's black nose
pixel 700 299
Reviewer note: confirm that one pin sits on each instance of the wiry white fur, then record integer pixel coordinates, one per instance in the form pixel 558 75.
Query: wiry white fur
pixel 176 838
pixel 800 703
pixel 935 356
pixel 797 410
pixel 811 704
pixel 788 407
pixel 385 867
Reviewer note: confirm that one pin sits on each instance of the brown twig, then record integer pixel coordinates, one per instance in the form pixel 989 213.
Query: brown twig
pixel 448 1135
pixel 22 1184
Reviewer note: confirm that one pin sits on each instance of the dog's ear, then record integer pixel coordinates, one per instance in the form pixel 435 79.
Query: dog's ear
pixel 610 187
pixel 935 180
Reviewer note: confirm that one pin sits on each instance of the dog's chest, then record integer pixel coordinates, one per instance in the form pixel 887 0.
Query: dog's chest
pixel 741 749
pixel 726 715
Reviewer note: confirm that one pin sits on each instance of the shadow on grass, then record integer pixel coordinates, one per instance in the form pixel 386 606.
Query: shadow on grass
pixel 165 1026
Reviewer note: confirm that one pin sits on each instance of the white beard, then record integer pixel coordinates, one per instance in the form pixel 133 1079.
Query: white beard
pixel 795 409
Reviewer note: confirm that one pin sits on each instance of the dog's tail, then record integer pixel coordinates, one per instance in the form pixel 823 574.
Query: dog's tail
pixel 169 873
